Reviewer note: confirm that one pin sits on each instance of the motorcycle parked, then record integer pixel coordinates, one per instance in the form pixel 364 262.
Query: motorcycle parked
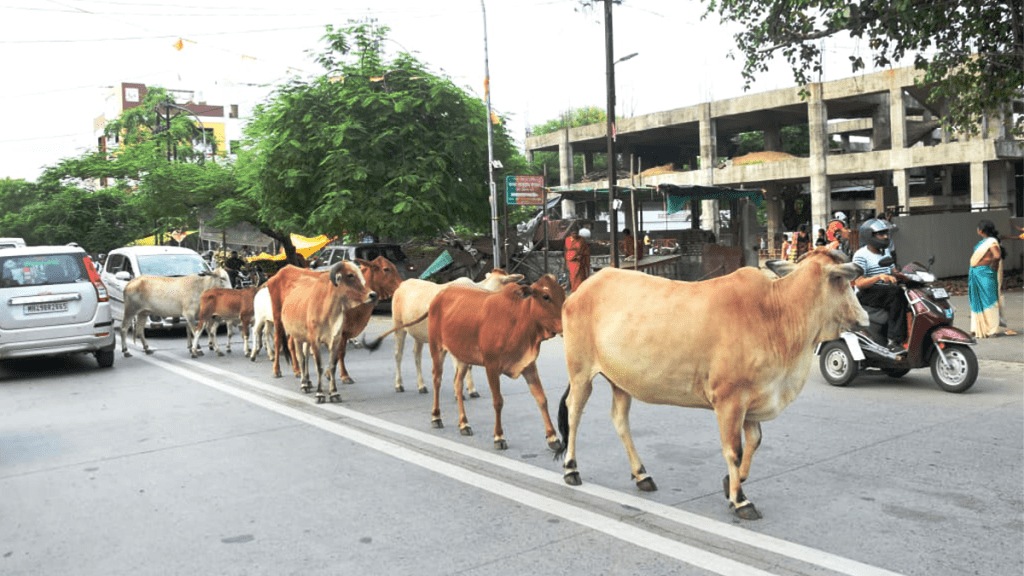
pixel 932 340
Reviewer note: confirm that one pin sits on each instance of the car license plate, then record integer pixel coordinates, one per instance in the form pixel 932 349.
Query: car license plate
pixel 939 293
pixel 46 307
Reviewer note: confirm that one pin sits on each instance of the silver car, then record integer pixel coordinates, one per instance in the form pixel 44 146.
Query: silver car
pixel 53 302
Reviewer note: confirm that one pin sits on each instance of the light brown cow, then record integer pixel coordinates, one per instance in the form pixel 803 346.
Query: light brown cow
pixel 740 345
pixel 310 308
pixel 166 296
pixel 227 306
pixel 412 300
pixel 500 331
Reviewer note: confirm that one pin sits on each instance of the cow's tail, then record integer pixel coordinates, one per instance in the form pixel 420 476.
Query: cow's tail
pixel 375 343
pixel 563 422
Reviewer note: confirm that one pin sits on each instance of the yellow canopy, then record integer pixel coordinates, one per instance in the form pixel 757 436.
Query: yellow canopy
pixel 305 246
pixel 151 240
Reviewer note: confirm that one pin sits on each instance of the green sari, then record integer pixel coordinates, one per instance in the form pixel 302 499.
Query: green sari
pixel 983 292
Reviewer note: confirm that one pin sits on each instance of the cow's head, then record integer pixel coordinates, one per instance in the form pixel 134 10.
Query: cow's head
pixel 349 281
pixel 381 276
pixel 546 297
pixel 497 278
pixel 825 278
pixel 221 278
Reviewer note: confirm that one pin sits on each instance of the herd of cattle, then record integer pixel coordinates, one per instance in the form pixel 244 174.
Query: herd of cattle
pixel 740 345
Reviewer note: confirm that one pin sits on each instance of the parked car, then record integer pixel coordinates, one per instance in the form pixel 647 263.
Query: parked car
pixel 52 302
pixel 333 253
pixel 126 263
pixel 12 243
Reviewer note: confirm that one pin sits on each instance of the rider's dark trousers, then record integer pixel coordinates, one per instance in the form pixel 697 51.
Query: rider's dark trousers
pixel 889 297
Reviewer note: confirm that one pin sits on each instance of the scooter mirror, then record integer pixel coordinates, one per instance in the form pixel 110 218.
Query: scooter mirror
pixel 887 261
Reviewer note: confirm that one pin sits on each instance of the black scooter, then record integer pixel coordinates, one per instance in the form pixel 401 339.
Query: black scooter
pixel 932 340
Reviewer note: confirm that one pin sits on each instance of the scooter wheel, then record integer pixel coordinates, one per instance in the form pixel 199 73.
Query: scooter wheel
pixel 837 364
pixel 960 372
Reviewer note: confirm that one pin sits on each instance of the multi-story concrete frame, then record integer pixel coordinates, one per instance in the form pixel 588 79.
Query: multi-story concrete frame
pixel 876 132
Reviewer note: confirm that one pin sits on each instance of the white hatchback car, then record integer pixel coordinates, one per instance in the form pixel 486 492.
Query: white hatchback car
pixel 126 263
pixel 52 302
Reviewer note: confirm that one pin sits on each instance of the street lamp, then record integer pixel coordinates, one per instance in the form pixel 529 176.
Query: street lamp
pixel 613 224
pixel 490 149
pixel 202 129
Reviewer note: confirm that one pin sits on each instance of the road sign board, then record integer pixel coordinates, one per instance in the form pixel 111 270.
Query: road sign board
pixel 524 190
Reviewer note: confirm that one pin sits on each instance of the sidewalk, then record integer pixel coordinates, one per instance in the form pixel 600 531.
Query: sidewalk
pixel 1002 348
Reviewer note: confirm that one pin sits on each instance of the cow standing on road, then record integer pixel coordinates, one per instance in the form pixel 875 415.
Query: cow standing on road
pixel 740 345
pixel 166 296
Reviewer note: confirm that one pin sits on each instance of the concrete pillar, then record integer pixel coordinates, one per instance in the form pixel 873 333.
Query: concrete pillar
pixel 1000 180
pixel 773 199
pixel 817 125
pixel 773 139
pixel 897 118
pixel 565 173
pixel 709 218
pixel 902 185
pixel 979 185
pixel 588 162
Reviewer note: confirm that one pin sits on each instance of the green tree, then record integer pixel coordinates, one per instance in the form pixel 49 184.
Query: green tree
pixel 370 146
pixel 971 51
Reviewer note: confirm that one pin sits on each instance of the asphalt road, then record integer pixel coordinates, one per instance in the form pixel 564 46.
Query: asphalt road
pixel 168 465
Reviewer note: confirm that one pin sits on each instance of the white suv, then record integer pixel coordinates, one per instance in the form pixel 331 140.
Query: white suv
pixel 53 302
pixel 123 264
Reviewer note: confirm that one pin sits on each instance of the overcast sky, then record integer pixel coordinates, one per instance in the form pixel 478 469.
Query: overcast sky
pixel 58 58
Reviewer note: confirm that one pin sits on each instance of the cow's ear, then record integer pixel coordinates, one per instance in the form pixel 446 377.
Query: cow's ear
pixel 846 272
pixel 362 262
pixel 780 267
pixel 512 278
pixel 525 291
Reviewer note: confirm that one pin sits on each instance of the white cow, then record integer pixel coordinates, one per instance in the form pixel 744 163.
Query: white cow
pixel 166 296
pixel 263 324
pixel 412 300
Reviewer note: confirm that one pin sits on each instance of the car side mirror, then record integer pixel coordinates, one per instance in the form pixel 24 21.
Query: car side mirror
pixel 123 276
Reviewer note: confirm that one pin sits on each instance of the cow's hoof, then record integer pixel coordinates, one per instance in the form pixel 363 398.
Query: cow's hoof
pixel 437 423
pixel 423 390
pixel 252 359
pixel 399 388
pixel 501 444
pixel 320 398
pixel 573 479
pixel 127 354
pixel 335 398
pixel 221 354
pixel 466 430
pixel 747 512
pixel 555 445
pixel 474 394
pixel 347 380
pixel 307 388
pixel 647 485
pixel 148 351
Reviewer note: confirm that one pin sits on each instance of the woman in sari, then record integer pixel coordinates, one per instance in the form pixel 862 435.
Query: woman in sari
pixel 984 282
pixel 577 256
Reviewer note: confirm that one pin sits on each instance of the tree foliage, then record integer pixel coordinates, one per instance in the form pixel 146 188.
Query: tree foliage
pixel 971 51
pixel 371 146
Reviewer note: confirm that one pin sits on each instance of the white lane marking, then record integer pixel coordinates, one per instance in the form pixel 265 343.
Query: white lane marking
pixel 771 544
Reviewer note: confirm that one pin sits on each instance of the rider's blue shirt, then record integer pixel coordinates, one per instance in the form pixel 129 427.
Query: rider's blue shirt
pixel 869 261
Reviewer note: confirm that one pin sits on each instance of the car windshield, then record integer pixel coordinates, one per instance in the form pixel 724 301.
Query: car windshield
pixel 393 253
pixel 42 270
pixel 171 264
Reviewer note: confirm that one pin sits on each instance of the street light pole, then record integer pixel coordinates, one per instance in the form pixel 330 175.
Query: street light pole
pixel 490 149
pixel 613 225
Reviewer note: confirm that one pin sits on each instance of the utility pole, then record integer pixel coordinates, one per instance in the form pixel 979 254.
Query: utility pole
pixel 613 223
pixel 490 149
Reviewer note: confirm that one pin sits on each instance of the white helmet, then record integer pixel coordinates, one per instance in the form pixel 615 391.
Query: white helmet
pixel 585 233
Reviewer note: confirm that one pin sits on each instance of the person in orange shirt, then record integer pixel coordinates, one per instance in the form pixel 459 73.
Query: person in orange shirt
pixel 577 256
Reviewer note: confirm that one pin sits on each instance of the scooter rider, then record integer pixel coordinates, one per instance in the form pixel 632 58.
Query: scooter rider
pixel 878 286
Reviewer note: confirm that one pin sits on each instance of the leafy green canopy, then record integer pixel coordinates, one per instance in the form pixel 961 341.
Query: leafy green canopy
pixel 377 146
pixel 972 51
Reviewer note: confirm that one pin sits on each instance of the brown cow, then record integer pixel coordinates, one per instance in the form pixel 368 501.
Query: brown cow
pixel 383 278
pixel 500 331
pixel 740 345
pixel 412 300
pixel 310 308
pixel 224 305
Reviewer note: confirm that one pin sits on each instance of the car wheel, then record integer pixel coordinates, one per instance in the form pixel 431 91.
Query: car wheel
pixel 105 358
